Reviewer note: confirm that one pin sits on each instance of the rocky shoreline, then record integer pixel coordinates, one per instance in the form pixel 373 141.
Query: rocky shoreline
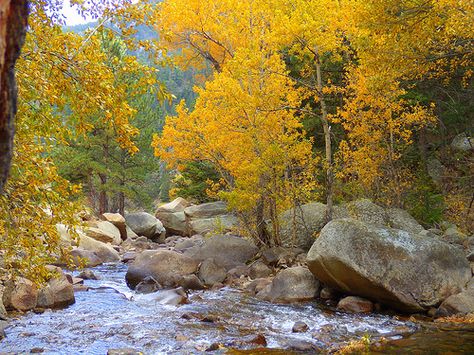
pixel 368 259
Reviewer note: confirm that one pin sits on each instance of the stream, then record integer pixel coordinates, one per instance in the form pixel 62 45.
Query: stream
pixel 111 316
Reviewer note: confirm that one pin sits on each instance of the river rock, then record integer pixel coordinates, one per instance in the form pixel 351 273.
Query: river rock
pixel 21 295
pixel 172 216
pixel 3 311
pixel 105 252
pixel 206 210
pixel 355 304
pixel 299 327
pixel 460 304
pixel 405 271
pixel 105 232
pixel 191 282
pixel 57 293
pixel 298 226
pixel 165 266
pixel 88 257
pixel 259 270
pixel 88 275
pixel 226 250
pixel 118 221
pixel 220 224
pixel 144 224
pixel 210 273
pixel 291 285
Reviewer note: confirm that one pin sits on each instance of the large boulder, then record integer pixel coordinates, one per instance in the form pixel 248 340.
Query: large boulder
pixel 460 304
pixel 172 216
pixel 57 293
pixel 82 257
pixel 298 226
pixel 206 210
pixel 20 295
pixel 227 251
pixel 105 252
pixel 210 273
pixel 166 267
pixel 401 219
pixel 291 285
pixel 405 271
pixel 144 224
pixel 220 224
pixel 363 210
pixel 177 205
pixel 105 232
pixel 118 221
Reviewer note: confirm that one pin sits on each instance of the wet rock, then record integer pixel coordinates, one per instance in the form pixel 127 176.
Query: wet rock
pixel 210 273
pixel 354 304
pixel 301 345
pixel 170 297
pixel 404 271
pixel 118 221
pixel 123 351
pixel 258 285
pixel 105 232
pixel 300 327
pixel 165 266
pixel 291 285
pixel 297 226
pixel 181 337
pixel 57 293
pixel 88 275
pixel 191 282
pixel 3 326
pixel 252 340
pixel 144 224
pixel 238 271
pixel 227 251
pixel 259 270
pixel 462 303
pixel 36 350
pixel 148 285
pixel 328 293
pixel 205 318
pixel 21 295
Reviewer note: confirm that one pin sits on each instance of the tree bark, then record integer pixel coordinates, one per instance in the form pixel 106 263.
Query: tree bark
pixel 327 139
pixel 103 200
pixel 13 22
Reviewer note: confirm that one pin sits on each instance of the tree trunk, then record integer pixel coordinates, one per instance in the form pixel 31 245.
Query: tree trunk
pixel 262 233
pixel 103 200
pixel 13 22
pixel 327 139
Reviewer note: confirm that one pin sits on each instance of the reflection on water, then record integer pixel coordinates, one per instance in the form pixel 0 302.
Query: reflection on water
pixel 112 316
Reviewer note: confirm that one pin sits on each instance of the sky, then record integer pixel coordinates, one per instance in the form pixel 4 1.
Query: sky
pixel 72 17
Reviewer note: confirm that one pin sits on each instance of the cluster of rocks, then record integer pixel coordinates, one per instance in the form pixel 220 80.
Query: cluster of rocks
pixel 367 258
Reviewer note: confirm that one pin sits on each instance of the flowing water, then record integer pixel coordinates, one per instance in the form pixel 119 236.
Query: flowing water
pixel 110 316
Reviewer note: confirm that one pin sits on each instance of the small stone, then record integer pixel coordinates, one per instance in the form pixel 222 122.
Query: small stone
pixel 300 327
pixel 259 270
pixel 88 275
pixel 213 347
pixel 124 351
pixel 36 350
pixel 181 337
pixel 355 304
pixel 328 293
